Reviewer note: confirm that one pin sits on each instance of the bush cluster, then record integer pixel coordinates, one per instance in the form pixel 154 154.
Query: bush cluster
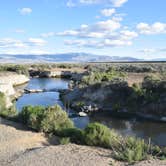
pixel 96 134
pixel 128 149
pixel 54 120
pixel 20 69
pixel 98 76
pixel 49 119
pixel 131 149
pixel 2 102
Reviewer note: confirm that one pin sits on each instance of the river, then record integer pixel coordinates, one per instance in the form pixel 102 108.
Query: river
pixel 143 129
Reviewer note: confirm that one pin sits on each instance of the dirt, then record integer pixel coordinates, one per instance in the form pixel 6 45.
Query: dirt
pixel 22 147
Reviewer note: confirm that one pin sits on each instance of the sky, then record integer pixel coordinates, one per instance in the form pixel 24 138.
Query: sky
pixel 135 28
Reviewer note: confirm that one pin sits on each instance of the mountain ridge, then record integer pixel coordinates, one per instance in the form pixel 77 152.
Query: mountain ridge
pixel 68 57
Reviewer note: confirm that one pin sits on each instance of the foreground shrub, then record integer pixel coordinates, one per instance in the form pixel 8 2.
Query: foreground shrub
pixel 76 135
pixel 9 113
pixel 131 150
pixel 55 119
pixel 50 119
pixel 64 140
pixel 32 116
pixel 2 102
pixel 96 134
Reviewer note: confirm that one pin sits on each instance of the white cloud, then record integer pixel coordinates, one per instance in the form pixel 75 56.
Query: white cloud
pixel 108 25
pixel 107 12
pixel 98 44
pixel 147 50
pixel 28 46
pixel 15 43
pixel 11 43
pixel 101 34
pixel 25 11
pixel 97 30
pixel 128 35
pixel 90 1
pixel 118 3
pixel 115 3
pixel 152 50
pixel 69 33
pixel 70 3
pixel 37 41
pixel 46 35
pixel 155 28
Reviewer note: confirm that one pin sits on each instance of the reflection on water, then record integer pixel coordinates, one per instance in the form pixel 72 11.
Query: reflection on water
pixel 143 129
pixel 48 83
pixel 43 99
pixel 132 127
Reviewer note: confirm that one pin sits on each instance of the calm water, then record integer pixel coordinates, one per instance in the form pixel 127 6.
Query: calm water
pixel 142 129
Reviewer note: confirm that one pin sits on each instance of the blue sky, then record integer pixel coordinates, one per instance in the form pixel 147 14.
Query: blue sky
pixel 134 28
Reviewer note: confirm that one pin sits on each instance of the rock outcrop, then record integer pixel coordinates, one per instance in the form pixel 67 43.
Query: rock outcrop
pixel 58 72
pixel 8 81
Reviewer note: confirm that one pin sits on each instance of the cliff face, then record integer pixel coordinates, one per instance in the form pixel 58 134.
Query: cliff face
pixel 7 82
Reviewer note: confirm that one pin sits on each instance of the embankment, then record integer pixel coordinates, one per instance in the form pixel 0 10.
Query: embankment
pixel 8 82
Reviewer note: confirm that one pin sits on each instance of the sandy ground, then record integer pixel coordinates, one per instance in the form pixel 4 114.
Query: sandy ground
pixel 21 147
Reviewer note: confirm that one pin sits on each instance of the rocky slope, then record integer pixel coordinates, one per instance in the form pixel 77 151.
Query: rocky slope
pixel 8 80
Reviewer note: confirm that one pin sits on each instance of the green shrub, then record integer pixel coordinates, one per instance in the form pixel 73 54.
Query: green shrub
pixel 158 152
pixel 131 150
pixel 32 116
pixel 55 119
pixel 2 102
pixel 80 104
pixel 64 140
pixel 20 69
pixel 76 135
pixel 100 76
pixel 96 134
pixel 50 119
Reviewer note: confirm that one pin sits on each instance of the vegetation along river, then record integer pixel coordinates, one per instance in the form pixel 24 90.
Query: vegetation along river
pixel 143 129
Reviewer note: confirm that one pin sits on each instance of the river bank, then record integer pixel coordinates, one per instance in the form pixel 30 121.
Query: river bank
pixel 19 147
pixel 8 83
pixel 128 124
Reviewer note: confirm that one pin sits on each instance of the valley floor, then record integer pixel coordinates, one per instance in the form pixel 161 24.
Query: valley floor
pixel 22 147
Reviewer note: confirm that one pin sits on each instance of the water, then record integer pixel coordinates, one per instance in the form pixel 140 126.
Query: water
pixel 45 98
pixel 142 129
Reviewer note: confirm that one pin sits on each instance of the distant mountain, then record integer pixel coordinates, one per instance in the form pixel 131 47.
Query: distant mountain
pixel 66 57
pixel 159 59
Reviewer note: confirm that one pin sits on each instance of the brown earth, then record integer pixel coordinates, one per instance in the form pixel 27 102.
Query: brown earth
pixel 22 147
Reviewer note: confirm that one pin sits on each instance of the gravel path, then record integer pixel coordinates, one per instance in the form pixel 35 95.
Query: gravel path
pixel 20 147
pixel 16 139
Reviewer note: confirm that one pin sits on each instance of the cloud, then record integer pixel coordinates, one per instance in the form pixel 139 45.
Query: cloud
pixel 11 43
pixel 107 12
pixel 25 11
pixel 108 33
pixel 97 30
pixel 98 44
pixel 90 1
pixel 46 35
pixel 108 25
pixel 70 3
pixel 155 28
pixel 115 3
pixel 147 50
pixel 128 35
pixel 15 43
pixel 152 50
pixel 28 46
pixel 36 41
pixel 118 3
